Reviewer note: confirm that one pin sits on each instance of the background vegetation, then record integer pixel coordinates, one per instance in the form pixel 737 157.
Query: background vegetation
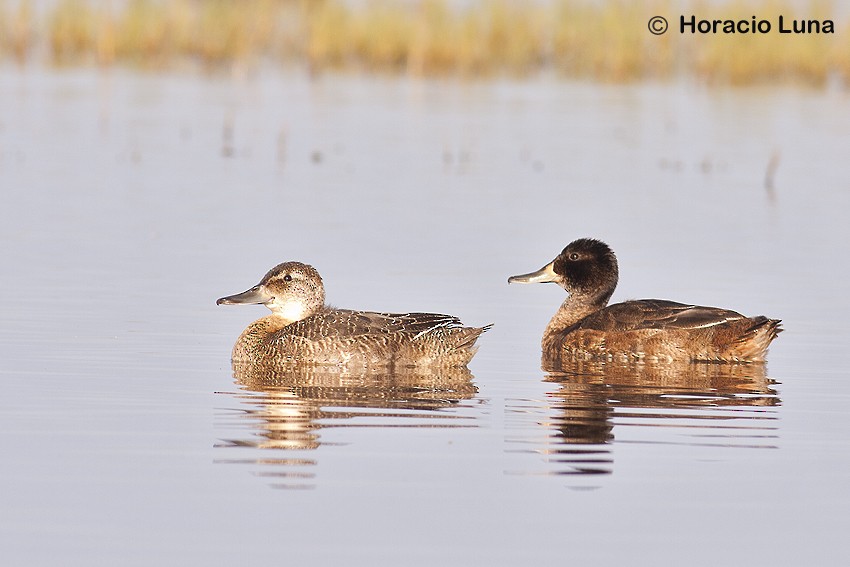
pixel 602 40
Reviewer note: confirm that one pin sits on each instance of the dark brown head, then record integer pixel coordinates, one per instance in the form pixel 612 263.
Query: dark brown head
pixel 586 268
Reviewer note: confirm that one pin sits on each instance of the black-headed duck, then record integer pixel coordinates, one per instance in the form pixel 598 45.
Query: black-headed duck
pixel 586 327
pixel 302 329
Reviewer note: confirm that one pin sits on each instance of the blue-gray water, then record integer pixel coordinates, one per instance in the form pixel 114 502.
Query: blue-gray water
pixel 130 202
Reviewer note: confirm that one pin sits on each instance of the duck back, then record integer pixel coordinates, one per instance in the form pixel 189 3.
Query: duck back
pixel 661 330
pixel 361 338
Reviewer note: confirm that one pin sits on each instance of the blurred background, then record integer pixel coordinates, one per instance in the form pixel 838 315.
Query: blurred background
pixel 589 39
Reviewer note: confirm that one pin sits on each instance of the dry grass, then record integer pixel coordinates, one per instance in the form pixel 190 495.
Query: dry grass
pixel 578 38
pixel 757 58
pixel 16 30
pixel 616 45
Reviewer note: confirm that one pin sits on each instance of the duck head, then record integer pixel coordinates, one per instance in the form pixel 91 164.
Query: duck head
pixel 586 268
pixel 292 290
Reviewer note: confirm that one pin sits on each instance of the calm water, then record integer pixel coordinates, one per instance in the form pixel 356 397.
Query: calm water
pixel 130 202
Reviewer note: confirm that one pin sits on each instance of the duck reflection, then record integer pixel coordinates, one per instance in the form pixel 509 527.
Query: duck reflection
pixel 698 404
pixel 285 407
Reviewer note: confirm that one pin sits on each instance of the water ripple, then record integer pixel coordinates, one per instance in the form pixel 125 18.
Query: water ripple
pixel 286 409
pixel 596 407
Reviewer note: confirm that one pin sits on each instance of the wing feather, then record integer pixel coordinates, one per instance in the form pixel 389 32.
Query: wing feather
pixel 348 323
pixel 657 314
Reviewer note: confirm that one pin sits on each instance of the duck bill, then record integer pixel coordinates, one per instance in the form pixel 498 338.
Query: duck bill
pixel 255 295
pixel 546 274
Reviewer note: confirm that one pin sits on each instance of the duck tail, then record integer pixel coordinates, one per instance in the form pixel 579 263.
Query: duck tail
pixel 755 340
pixel 467 336
pixel 459 344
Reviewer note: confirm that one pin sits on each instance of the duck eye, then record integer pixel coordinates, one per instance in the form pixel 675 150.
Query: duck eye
pixel 573 256
pixel 287 278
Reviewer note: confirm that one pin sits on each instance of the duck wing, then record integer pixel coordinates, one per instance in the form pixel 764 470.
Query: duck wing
pixel 656 314
pixel 345 322
pixel 334 335
pixel 409 323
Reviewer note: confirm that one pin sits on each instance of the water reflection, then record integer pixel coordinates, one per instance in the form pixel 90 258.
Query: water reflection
pixel 284 408
pixel 597 406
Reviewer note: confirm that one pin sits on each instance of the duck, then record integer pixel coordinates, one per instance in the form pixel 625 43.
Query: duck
pixel 657 330
pixel 303 329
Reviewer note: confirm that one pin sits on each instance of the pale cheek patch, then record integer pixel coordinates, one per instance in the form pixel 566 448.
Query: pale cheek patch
pixel 290 310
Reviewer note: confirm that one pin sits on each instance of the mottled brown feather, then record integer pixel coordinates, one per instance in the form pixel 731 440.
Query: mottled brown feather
pixel 322 334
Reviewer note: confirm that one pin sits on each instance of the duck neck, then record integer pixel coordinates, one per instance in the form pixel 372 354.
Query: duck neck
pixel 253 339
pixel 575 308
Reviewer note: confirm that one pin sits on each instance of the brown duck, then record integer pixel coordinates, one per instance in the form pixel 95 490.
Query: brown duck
pixel 302 329
pixel 586 327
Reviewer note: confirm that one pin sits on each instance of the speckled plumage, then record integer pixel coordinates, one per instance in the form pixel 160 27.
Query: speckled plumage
pixel 303 330
pixel 585 327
